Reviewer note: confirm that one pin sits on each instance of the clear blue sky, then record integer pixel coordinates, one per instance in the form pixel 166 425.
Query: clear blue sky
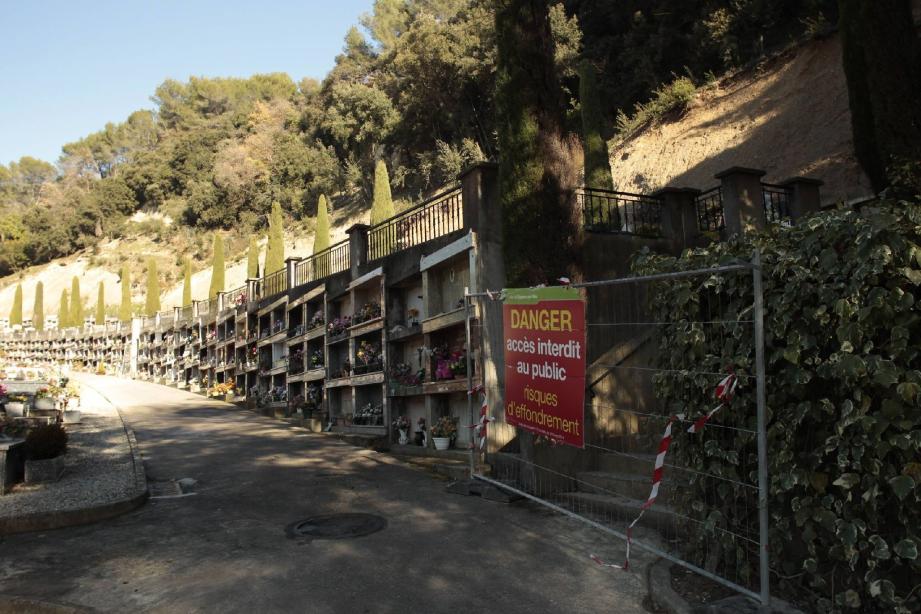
pixel 70 67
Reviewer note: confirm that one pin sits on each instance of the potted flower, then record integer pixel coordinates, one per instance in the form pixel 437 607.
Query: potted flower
pixel 458 363
pixel 368 357
pixel 44 401
pixel 44 448
pixel 444 431
pixel 316 359
pixel 15 405
pixel 316 321
pixel 413 319
pixel 401 424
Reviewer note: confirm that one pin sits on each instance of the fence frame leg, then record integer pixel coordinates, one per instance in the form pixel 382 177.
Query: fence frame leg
pixel 763 518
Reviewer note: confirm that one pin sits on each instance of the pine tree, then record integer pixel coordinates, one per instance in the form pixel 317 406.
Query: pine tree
pixel 321 235
pixel 217 268
pixel 64 311
pixel 124 310
pixel 152 305
pixel 187 283
pixel 75 317
pixel 101 305
pixel 252 259
pixel 38 310
pixel 275 251
pixel 16 312
pixel 382 205
pixel 597 163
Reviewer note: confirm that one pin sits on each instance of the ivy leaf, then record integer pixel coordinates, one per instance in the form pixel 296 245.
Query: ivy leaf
pixel 847 481
pixel 902 485
pixel 880 547
pixel 907 549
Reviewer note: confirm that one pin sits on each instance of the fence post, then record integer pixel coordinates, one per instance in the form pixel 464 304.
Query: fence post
pixel 743 201
pixel 291 267
pixel 761 418
pixel 679 216
pixel 479 187
pixel 358 247
pixel 804 196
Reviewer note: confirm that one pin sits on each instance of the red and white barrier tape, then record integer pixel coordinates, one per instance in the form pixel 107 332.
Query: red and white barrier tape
pixel 725 390
pixel 480 428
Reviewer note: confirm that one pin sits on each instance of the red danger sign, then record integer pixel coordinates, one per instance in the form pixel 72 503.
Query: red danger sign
pixel 545 362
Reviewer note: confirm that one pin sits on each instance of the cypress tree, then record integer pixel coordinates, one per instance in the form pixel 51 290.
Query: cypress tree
pixel 124 310
pixel 64 311
pixel 101 305
pixel 536 174
pixel 382 205
pixel 252 259
pixel 152 305
pixel 16 312
pixel 38 311
pixel 217 268
pixel 187 283
pixel 75 317
pixel 321 235
pixel 275 251
pixel 597 162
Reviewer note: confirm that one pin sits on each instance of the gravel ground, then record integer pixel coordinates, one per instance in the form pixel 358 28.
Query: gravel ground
pixel 99 465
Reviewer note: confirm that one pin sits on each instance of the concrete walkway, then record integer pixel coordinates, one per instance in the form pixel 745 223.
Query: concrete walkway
pixel 101 479
pixel 225 549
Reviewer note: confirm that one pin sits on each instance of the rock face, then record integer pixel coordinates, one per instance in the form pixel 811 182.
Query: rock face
pixel 789 117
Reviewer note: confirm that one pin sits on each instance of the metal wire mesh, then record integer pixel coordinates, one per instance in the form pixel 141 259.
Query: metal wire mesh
pixel 650 366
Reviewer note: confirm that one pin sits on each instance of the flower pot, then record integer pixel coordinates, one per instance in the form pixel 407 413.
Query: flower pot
pixel 404 437
pixel 15 409
pixel 442 443
pixel 45 403
pixel 73 417
pixel 48 470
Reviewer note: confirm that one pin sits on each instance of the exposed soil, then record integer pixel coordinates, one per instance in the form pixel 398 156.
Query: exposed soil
pixel 789 117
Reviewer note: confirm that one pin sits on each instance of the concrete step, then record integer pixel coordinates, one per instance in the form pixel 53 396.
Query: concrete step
pixel 632 485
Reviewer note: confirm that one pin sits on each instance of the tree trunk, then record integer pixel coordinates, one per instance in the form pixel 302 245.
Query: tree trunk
pixel 882 63
pixel 541 227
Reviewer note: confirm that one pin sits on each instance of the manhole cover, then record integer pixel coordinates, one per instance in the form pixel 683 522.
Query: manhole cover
pixel 337 526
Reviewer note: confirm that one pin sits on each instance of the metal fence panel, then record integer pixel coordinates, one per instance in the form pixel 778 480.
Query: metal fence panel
pixel 709 517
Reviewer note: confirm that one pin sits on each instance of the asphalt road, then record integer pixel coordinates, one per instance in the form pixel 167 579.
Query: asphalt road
pixel 225 549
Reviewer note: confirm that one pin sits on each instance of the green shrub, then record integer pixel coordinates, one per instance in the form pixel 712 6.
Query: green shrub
pixel 672 97
pixel 47 441
pixel 843 335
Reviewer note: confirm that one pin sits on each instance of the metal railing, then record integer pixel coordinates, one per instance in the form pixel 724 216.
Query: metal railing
pixel 620 212
pixel 440 215
pixel 776 203
pixel 272 284
pixel 330 261
pixel 709 207
pixel 235 298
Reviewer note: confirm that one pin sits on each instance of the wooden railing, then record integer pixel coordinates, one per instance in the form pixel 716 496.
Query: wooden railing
pixel 438 216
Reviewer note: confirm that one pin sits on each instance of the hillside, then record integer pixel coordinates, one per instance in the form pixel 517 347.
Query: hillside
pixel 104 264
pixel 788 116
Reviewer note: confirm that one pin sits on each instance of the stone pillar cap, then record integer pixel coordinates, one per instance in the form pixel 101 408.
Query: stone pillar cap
pixel 485 164
pixel 739 170
pixel 357 228
pixel 803 180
